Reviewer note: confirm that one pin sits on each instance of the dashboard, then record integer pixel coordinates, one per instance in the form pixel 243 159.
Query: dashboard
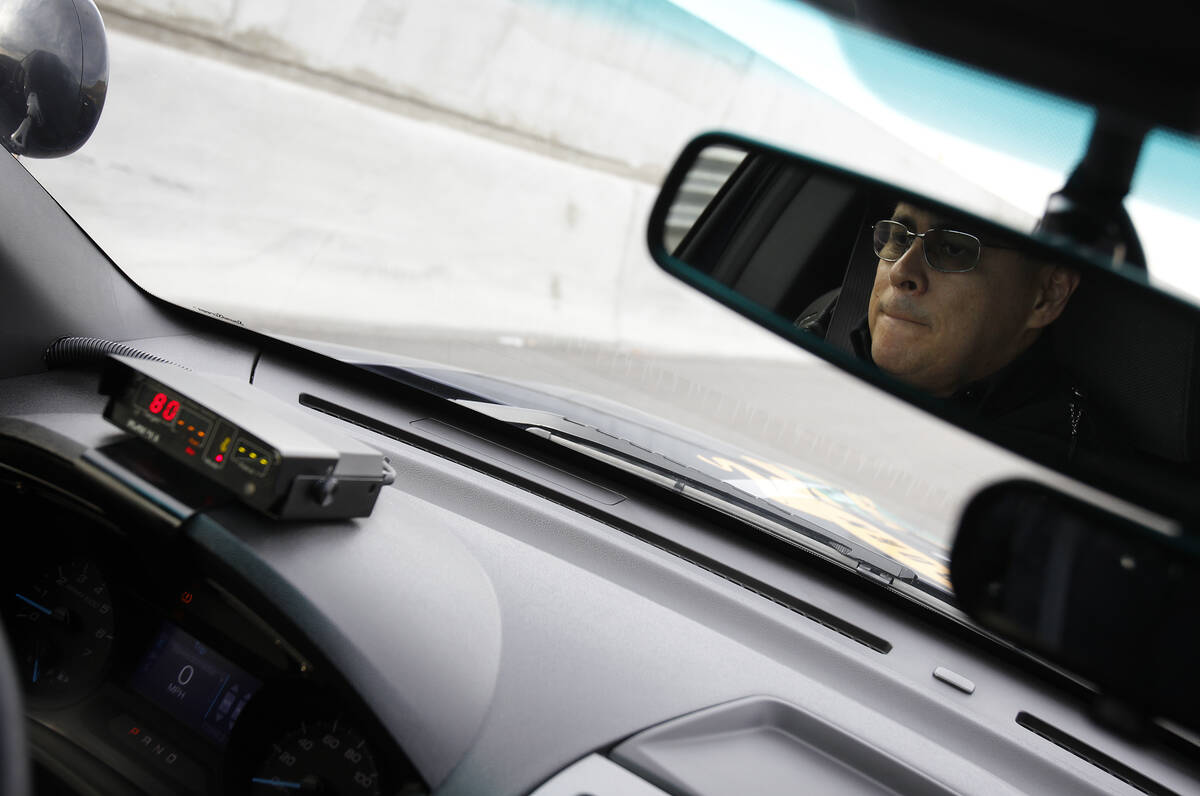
pixel 128 649
pixel 508 620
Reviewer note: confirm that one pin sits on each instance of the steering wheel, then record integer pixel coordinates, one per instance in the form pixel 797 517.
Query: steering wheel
pixel 14 754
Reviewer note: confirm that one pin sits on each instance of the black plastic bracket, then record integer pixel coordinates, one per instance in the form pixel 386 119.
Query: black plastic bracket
pixel 1089 210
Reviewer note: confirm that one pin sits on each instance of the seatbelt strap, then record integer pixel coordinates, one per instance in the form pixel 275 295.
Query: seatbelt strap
pixel 852 303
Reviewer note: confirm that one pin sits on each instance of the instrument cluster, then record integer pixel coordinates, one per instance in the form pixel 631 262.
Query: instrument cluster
pixel 131 653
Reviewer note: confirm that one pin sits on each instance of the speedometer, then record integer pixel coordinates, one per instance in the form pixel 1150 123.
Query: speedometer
pixel 62 629
pixel 319 757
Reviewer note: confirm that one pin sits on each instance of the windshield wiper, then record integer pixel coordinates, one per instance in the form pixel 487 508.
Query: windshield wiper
pixel 700 487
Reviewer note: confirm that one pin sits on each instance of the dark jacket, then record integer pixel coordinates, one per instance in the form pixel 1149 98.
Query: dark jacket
pixel 1040 407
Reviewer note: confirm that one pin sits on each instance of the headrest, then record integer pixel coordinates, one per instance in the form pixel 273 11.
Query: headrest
pixel 1137 359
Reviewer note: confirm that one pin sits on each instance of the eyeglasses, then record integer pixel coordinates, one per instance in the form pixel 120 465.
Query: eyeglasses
pixel 946 250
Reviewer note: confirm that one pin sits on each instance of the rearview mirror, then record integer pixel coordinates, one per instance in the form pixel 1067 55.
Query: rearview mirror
pixel 1016 338
pixel 53 76
pixel 1100 595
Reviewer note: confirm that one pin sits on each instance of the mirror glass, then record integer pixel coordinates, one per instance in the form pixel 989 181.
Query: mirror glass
pixel 53 75
pixel 1079 367
pixel 1077 584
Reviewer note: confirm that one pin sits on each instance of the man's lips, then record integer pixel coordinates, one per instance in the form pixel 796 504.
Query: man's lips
pixel 898 314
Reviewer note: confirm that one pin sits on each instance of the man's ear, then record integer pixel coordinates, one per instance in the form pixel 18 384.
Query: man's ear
pixel 1055 284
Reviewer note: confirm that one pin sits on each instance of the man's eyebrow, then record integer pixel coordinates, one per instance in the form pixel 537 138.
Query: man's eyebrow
pixel 958 224
pixel 905 216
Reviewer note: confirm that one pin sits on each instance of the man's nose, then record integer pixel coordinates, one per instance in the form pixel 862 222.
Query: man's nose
pixel 910 273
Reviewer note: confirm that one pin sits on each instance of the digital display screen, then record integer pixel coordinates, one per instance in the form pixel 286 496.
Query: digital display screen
pixel 196 685
pixel 188 424
pixel 198 434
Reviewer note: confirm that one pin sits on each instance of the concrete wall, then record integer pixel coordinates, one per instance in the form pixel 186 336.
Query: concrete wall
pixel 627 81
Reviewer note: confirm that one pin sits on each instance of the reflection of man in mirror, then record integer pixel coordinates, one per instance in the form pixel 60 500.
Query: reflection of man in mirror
pixel 965 318
pixel 949 311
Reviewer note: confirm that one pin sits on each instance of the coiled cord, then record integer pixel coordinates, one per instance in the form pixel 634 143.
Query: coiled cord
pixel 90 351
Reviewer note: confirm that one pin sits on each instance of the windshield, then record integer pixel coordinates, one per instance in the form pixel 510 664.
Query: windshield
pixel 463 188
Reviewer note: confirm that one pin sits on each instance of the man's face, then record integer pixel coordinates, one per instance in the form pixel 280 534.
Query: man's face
pixel 940 331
